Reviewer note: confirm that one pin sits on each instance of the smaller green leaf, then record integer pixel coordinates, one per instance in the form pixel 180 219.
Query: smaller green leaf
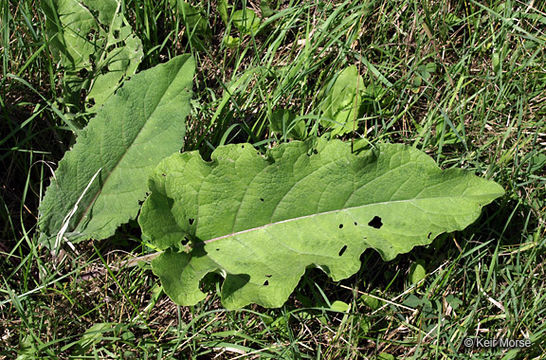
pixel 121 61
pixel 246 21
pixel 537 162
pixel 413 301
pixel 95 45
pixel 284 122
pixel 423 304
pixel 267 319
pixel 385 356
pixel 341 101
pixel 92 336
pixel 339 305
pixel 365 326
pixel 223 11
pixel 266 8
pixel 426 71
pixel 193 18
pixel 198 29
pixel 376 100
pixel 454 301
pixel 417 272
pixel 495 61
pixel 371 302
pixel 416 82
pixel 374 92
pixel 232 42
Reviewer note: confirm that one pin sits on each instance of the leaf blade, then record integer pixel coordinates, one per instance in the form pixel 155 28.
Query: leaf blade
pixel 262 221
pixel 342 98
pixel 95 45
pixel 131 133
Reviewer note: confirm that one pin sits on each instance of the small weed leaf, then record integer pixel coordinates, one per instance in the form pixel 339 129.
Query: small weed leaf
pixel 417 271
pixel 223 11
pixel 341 101
pixel 198 30
pixel 246 21
pixel 284 122
pixel 95 45
pixel 232 42
pixel 322 210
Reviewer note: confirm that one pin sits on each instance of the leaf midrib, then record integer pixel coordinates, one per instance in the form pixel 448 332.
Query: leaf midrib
pixel 319 214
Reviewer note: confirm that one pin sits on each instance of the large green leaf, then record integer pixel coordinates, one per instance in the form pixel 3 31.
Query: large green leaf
pixel 137 127
pixel 260 221
pixel 95 44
